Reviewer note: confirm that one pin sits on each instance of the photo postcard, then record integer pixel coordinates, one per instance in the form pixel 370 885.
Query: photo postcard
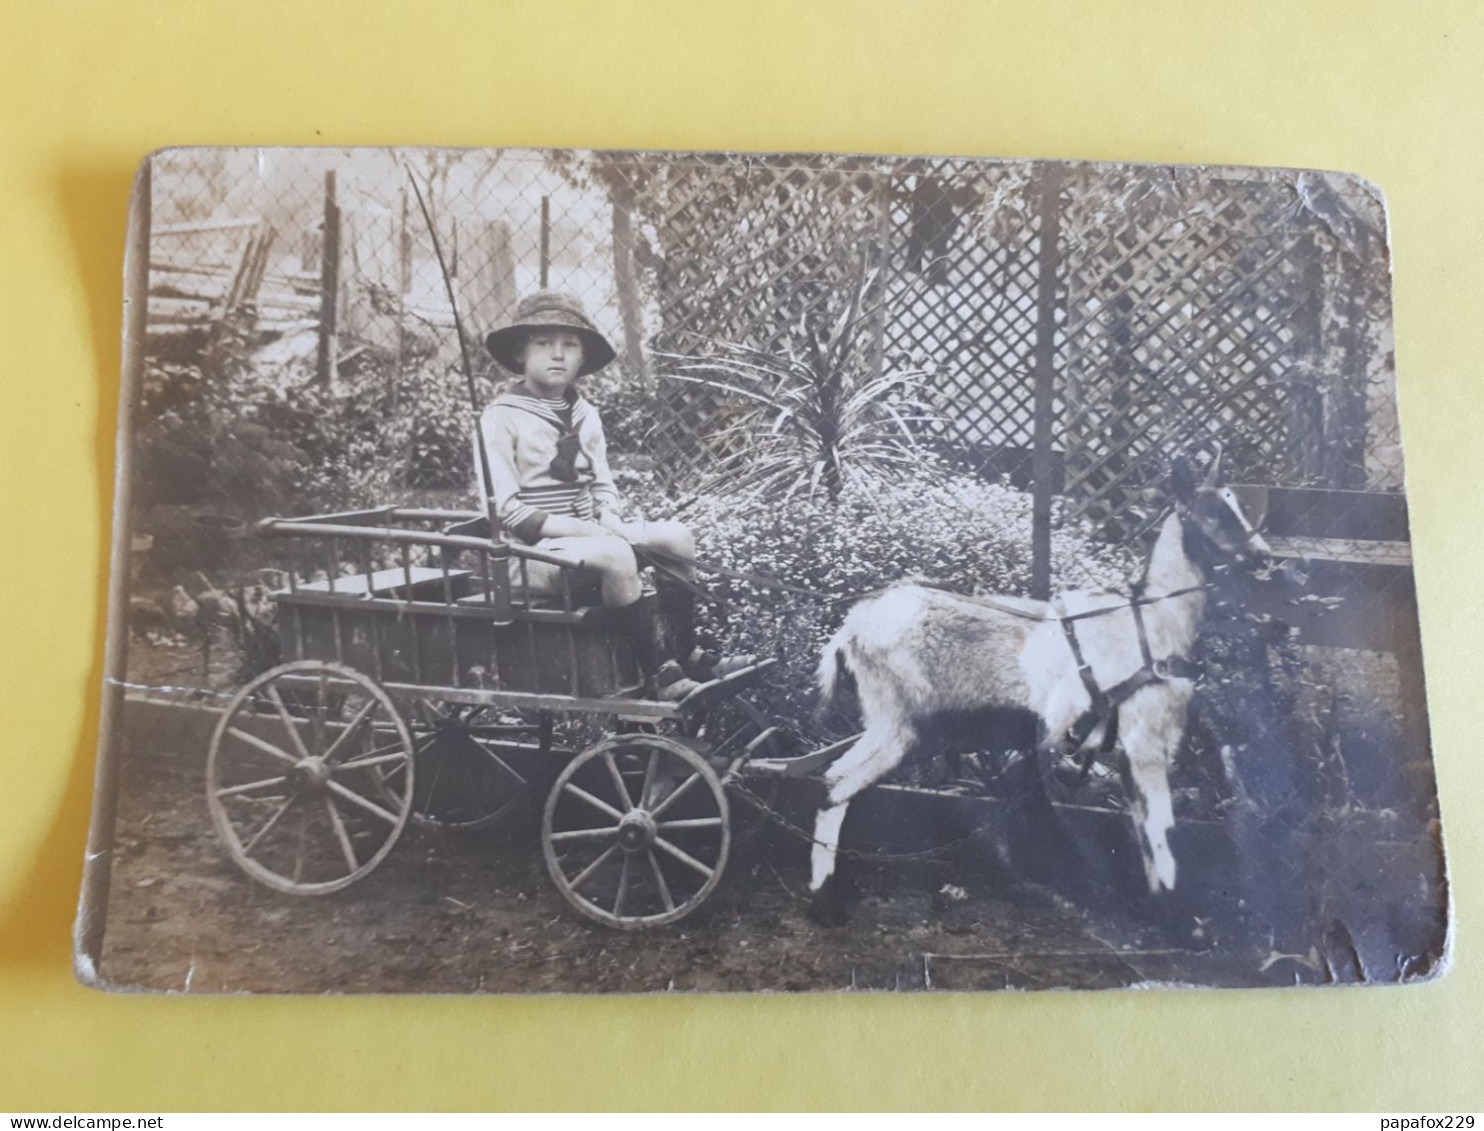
pixel 547 571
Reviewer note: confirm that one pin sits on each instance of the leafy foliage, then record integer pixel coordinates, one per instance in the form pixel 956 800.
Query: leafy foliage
pixel 814 417
pixel 249 432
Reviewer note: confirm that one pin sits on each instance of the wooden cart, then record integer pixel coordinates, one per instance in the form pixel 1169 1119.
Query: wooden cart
pixel 424 673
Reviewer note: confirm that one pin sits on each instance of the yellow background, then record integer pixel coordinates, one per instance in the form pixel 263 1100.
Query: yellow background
pixel 1394 91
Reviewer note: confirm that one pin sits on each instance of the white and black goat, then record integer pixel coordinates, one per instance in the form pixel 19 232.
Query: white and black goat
pixel 1072 666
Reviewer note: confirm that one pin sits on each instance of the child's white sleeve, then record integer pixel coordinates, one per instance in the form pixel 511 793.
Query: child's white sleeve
pixel 501 481
pixel 605 492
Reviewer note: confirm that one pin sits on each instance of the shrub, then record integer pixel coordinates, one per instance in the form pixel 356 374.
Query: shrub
pixel 260 435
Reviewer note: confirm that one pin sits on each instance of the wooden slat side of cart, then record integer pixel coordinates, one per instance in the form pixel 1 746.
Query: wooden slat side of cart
pixel 425 608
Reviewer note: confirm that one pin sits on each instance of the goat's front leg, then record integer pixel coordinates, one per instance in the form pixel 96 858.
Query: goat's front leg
pixel 827 826
pixel 1152 725
pixel 868 761
pixel 827 900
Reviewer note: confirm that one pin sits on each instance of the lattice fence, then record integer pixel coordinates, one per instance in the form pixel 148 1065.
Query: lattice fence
pixel 1202 309
pixel 966 245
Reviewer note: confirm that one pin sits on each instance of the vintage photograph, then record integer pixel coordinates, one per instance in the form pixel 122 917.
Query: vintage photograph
pixel 571 572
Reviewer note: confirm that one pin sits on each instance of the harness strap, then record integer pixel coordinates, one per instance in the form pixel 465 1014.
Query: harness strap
pixel 1135 604
pixel 670 566
pixel 667 561
pixel 1100 704
pixel 1141 600
pixel 1105 702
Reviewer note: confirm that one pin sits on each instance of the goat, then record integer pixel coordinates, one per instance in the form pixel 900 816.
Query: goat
pixel 1073 667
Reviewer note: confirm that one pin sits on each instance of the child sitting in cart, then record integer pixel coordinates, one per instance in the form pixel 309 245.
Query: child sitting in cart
pixel 547 474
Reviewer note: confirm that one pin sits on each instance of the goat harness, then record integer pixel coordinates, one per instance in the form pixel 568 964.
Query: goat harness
pixel 1106 701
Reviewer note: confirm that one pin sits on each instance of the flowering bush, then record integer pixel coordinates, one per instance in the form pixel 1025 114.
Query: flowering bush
pixel 951 528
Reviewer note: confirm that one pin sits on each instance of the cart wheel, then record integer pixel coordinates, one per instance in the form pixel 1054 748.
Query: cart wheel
pixel 309 777
pixel 636 831
pixel 473 770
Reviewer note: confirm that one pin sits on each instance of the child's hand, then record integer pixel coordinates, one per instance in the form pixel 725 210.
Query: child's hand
pixel 565 526
pixel 617 525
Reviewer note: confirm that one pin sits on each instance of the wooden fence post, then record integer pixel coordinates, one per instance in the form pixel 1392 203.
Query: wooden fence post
pixel 1042 467
pixel 883 193
pixel 621 199
pixel 545 240
pixel 1347 380
pixel 329 284
pixel 404 263
pixel 490 289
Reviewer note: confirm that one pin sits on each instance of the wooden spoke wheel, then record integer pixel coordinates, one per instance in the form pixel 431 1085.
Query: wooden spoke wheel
pixel 636 831
pixel 473 769
pixel 310 777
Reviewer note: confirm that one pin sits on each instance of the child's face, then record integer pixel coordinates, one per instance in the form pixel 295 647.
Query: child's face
pixel 552 360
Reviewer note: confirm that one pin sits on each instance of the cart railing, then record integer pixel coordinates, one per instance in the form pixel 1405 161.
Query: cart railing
pixel 361 554
pixel 406 595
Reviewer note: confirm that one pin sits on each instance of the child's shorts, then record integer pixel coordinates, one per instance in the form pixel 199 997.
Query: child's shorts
pixel 543 581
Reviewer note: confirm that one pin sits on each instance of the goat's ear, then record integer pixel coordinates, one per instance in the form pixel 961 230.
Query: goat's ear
pixel 1182 480
pixel 1213 473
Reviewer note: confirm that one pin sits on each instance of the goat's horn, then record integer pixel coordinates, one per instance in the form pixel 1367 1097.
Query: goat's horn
pixel 1213 473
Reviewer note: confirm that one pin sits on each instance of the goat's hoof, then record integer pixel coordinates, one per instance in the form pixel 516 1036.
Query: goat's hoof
pixel 827 906
pixel 828 913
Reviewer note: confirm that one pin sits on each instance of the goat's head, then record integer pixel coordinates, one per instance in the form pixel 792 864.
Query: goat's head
pixel 1221 523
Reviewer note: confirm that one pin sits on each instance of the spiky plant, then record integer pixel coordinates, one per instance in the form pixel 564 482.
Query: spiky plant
pixel 814 415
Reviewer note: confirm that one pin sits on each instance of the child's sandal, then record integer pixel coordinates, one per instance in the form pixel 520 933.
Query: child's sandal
pixel 706 666
pixel 671 684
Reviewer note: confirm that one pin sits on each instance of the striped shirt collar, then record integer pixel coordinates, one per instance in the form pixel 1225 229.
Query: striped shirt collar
pixel 558 413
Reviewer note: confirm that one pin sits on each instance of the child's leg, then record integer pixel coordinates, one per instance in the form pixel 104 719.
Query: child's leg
pixel 677 598
pixel 610 558
pixel 672 539
pixel 675 553
pixel 613 560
